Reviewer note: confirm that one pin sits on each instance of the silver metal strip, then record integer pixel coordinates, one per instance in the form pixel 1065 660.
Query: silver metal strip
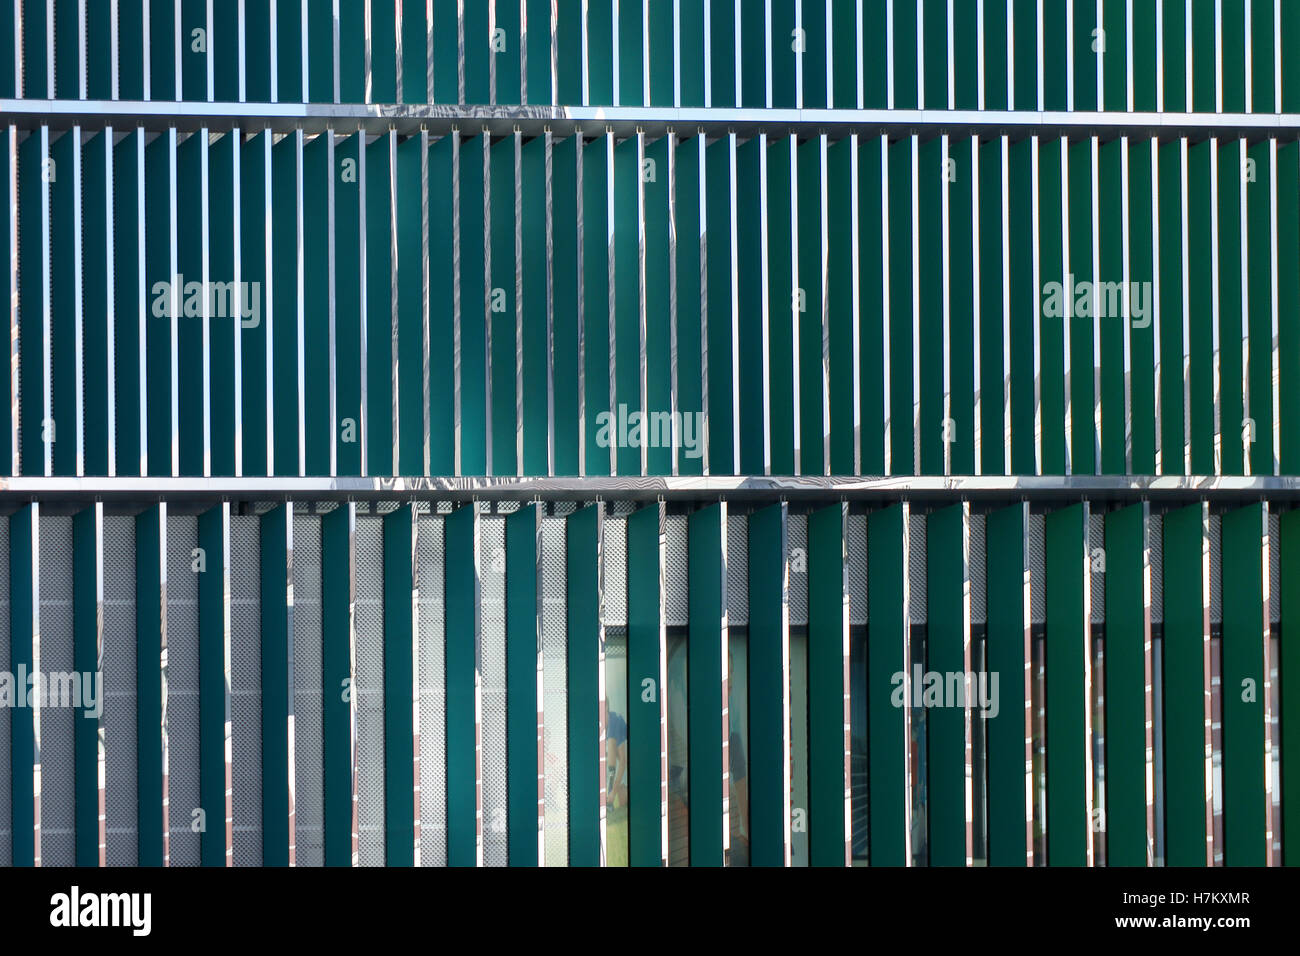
pixel 48 425
pixel 426 412
pixel 174 318
pixel 418 825
pixel 161 597
pixel 677 56
pixel 243 56
pixel 1090 801
pixel 78 293
pixel 1067 325
pixel 143 464
pixel 236 165
pixel 207 23
pixel 146 47
pixel 1158 370
pixel 602 709
pixel 855 252
pixel 914 413
pixel 674 389
pixel 1069 61
pixel 178 46
pixel 886 317
pixel 370 73
pixel 663 686
pixel 269 272
pixel 394 300
pixel 1148 683
pixel 549 172
pixel 456 371
pixel 735 281
pixel 81 48
pixel 909 784
pixel 1249 51
pixel 610 300
pixel 1218 56
pixel 1248 432
pixel 1128 72
pixel 787 784
pixel 291 700
pixel 478 677
pixel 1005 155
pixel 616 68
pixel 796 331
pixel 642 360
pixel 1215 356
pixel 351 559
pixel 968 747
pixel 703 246
pixel 1276 278
pixel 1094 160
pixel 517 165
pixel 11 190
pixel 36 705
pixel 485 302
pixel 1038 285
pixel 579 154
pixel 764 311
pixel 332 302
pixel 336 45
pixel 110 299
pixel 1207 695
pixel 945 291
pixel 824 280
pixel 205 266
pixel 977 389
pixel 397 64
pixel 1125 252
pixel 1270 818
pixel 952 69
pixel 1027 685
pixel 539 515
pixel 102 729
pixel 229 809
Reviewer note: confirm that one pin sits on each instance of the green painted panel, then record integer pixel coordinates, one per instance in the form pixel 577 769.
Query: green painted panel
pixel 1128 662
pixel 959 444
pixel 415 53
pixel 906 78
pixel 523 708
pixel 446 51
pixel 320 50
pixel 1288 302
pixel 1055 55
pixel 536 346
pixel 781 316
pixel 997 57
pixel 931 183
pixel 253 342
pixel 85 660
pixel 257 45
pixel 993 369
pixel 1173 18
pixel 1084 438
pixel 644 663
pixel 352 53
pixel 594 288
pixel 1259 294
pixel 1290 58
pixel 808 236
pixel 31 211
pixel 887 656
pixel 660 452
pixel 1023 297
pixel 63 266
pixel 477 50
pixel 97 249
pixel 839 302
pixel 347 302
pixel 411 263
pixel 753 54
pixel 565 293
pixel 501 309
pixel 828 643
pixel 816 43
pixel 1246 834
pixel 769 641
pixel 1110 198
pixel 506 42
pixel 1170 291
pixel 1114 53
pixel 718 190
pixel 130 49
pixel 1142 332
pixel 1008 654
pixel 1233 398
pixel 690 312
pixel 159 200
pixel 380 309
pixel 149 598
pixel 163 50
pixel 600 52
pixel 871 295
pixel 336 678
pixel 382 33
pixel 224 328
pixel 901 157
pixel 288 34
pixel 462 650
pixel 787 48
pixel 1069 826
pixel 1145 61
pixel 317 288
pixel 1052 268
pixel 947 652
pixel 399 683
pixel 214 707
pixel 1200 308
pixel 584 648
pixel 36 42
pixel 538 52
pixel 965 54
pixel 99 65
pixel 195 49
pixel 625 241
pixel 1087 55
pixel 1231 17
pixel 874 55
pixel 277 683
pixel 190 399
pixel 568 50
pixel 1289 694
pixel 473 311
pixel 934 24
pixel 751 309
pixel 705 649
pixel 690 63
pixel 286 306
pixel 630 37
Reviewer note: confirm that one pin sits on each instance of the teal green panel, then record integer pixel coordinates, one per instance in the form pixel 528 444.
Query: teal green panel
pixel 462 650
pixel 535 347
pixel 149 599
pixel 1024 66
pixel 828 642
pixel 644 663
pixel 887 656
pixel 194 62
pixel 1290 58
pixel 1171 304
pixel 690 64
pixel 352 53
pixel 1128 642
pixel 442 316
pixel 320 51
pixel 753 54
pixel 816 50
pixel 253 196
pixel 399 684
pixel 1173 18
pixel 875 55
pixel 99 64
pixel 501 309
pixel 871 295
pixel 1142 341
pixel 380 310
pixel 1200 308
pixel 600 56
pixel 336 677
pixel 213 690
pixel 23 637
pixel 1087 56
pixel 97 250
pixel 130 49
pixel 768 647
pixel 507 51
pixel 317 289
pixel 1288 302
pixel 411 263
pixel 997 58
pixel 9 51
pixel 630 40
pixel 1232 395
pixel 1055 55
pixel 1113 58
pixel 383 33
pixel 1262 63
pixel 906 78
pixel 523 708
pixel 1204 71
pixel 8 211
pixel 585 640
pixel 568 51
pixel 627 299
pixel 478 49
pixel 223 330
pixel 722 53
pixel 931 182
pixel 1052 268
pixel 1023 298
pixel 785 51
pixel 415 53
pixel 993 371
pixel 190 399
pixel 1111 270
pixel 1083 452
pixel 257 46
pixel 85 660
pixel 937 56
pixel 63 266
pixel 159 268
pixel 347 300
pixel 288 34
pixel 947 652
pixel 1145 43
pixel 721 431
pixel 839 305
pixel 128 304
pixel 965 54
pixel 36 41
pixel 473 312
pixel 286 170
pixel 900 308
pixel 781 353
pixel 1008 655
pixel 810 308
pixel 751 309
pixel 1186 684
pixel 1246 795
pixel 690 326
pixel 1288 668
pixel 842 40
pixel 1231 17
pixel 163 82
pixel 538 51
pixel 1068 823
pixel 962 322
pixel 704 707
pixel 564 303
pixel 661 450
pixel 594 289
pixel 277 683
pixel 446 51
pixel 1259 290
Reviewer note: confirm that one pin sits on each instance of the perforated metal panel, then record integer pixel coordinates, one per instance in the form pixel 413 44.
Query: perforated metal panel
pixel 797 552
pixel 432 623
pixel 614 556
pixel 308 731
pixel 1097 542
pixel 492 548
pixel 369 558
pixel 856 545
pixel 1216 569
pixel 916 568
pixel 1274 567
pixel 676 572
pixel 121 810
pixel 977 568
pixel 54 743
pixel 737 569
pixel 246 689
pixel 1036 528
pixel 6 772
pixel 181 704
pixel 1156 551
pixel 555 692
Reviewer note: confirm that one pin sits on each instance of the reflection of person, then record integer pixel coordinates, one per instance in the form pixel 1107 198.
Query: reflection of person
pixel 616 758
pixel 738 768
